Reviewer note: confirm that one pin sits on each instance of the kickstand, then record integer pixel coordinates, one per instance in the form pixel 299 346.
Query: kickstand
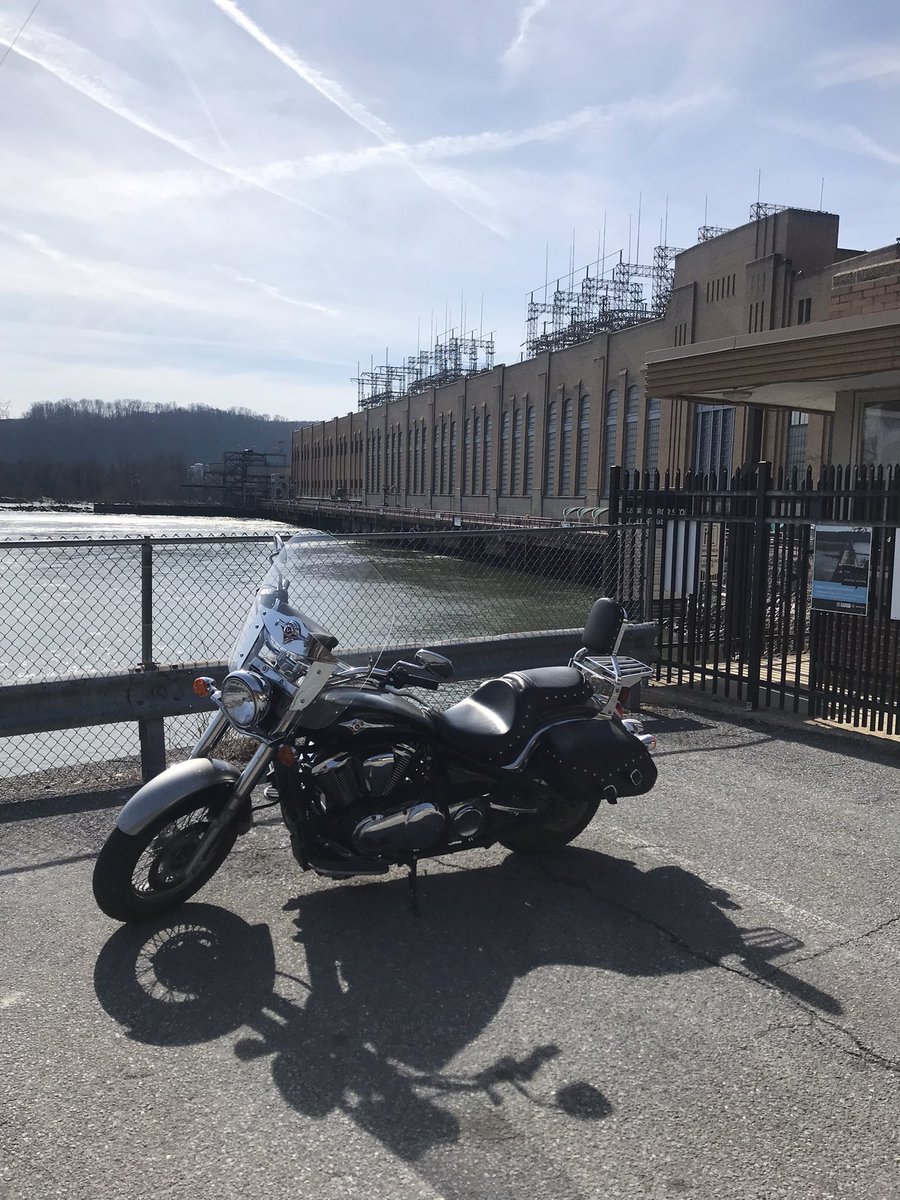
pixel 414 888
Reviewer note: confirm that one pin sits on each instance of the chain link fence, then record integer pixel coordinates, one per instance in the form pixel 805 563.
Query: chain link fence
pixel 103 607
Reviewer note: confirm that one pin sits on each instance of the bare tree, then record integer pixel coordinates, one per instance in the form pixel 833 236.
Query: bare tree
pixel 4 409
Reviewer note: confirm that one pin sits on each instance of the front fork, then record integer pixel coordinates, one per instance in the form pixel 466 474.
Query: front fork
pixel 249 778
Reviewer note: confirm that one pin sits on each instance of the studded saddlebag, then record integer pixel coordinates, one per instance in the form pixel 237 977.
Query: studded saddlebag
pixel 594 760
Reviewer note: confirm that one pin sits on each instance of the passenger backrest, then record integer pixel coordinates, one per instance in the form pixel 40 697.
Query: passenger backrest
pixel 603 626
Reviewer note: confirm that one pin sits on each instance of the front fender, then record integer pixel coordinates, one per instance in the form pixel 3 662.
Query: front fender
pixel 170 788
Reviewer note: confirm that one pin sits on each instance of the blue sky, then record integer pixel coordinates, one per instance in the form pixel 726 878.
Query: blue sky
pixel 235 201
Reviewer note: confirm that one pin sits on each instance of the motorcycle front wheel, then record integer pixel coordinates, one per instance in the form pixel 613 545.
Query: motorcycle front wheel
pixel 550 832
pixel 138 876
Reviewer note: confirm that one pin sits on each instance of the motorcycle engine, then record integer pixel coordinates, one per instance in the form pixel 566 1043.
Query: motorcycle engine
pixel 386 802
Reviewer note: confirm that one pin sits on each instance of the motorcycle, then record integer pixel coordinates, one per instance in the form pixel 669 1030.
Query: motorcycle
pixel 368 778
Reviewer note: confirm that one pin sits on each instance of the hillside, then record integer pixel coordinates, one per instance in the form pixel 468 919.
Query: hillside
pixel 91 450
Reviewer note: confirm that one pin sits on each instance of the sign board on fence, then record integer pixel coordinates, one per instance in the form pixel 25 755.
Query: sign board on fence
pixel 841 568
pixel 895 591
pixel 681 559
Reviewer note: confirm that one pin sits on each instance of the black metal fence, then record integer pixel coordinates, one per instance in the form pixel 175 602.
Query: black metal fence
pixel 87 607
pixel 745 606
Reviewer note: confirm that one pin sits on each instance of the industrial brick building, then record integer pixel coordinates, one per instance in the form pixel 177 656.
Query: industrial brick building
pixel 765 341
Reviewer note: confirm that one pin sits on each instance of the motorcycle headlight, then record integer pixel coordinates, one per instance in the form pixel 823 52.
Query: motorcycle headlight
pixel 245 698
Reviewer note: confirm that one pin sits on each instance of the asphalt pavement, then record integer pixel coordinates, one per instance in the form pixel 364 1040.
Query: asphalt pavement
pixel 700 998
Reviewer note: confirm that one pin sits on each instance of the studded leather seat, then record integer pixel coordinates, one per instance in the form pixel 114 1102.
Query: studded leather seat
pixel 496 721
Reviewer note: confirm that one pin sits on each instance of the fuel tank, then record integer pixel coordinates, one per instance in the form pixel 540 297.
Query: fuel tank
pixel 361 718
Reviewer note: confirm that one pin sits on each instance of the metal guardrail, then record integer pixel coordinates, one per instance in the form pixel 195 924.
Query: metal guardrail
pixel 150 696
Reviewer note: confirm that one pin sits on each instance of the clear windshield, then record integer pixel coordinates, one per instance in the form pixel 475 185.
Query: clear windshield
pixel 316 587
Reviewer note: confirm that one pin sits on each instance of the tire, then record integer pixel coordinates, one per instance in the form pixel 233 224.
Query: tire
pixel 133 876
pixel 551 833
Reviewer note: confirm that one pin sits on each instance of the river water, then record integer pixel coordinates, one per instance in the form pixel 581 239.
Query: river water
pixel 72 610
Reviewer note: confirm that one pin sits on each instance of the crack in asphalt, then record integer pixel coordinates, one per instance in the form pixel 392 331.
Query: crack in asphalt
pixel 816 1019
pixel 857 937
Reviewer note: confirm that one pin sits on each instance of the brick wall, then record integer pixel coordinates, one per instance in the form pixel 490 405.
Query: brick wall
pixel 871 285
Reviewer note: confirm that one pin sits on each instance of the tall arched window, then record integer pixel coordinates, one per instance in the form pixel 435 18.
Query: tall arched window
pixel 528 473
pixel 632 400
pixel 424 455
pixel 651 440
pixel 565 458
pixel 415 458
pixel 516 452
pixel 551 464
pixel 436 459
pixel 409 459
pixel 584 425
pixel 444 457
pixel 378 461
pixel 476 455
pixel 486 466
pixel 467 454
pixel 452 481
pixel 504 454
pixel 609 446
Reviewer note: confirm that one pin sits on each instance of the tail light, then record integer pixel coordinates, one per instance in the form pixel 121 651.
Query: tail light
pixel 624 697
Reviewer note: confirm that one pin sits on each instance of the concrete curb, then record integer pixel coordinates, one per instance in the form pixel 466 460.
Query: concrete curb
pixel 669 695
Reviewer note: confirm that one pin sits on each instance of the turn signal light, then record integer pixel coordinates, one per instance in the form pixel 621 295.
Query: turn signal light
pixel 286 755
pixel 202 686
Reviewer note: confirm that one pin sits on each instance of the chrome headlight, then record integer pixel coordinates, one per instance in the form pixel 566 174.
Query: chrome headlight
pixel 245 698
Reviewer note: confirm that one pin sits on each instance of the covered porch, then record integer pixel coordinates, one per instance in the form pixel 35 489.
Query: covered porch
pixel 846 369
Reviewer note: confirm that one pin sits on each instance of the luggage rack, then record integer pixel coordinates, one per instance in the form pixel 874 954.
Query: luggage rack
pixel 610 673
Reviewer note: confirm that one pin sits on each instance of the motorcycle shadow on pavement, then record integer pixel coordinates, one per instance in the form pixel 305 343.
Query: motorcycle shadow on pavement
pixel 388 1000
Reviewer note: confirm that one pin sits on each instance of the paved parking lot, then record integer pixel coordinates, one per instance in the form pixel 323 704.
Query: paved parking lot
pixel 700 998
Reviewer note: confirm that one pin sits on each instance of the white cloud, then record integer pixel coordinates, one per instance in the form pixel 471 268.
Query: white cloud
pixel 858 64
pixel 516 52
pixel 329 88
pixel 159 172
pixel 843 136
pixel 71 65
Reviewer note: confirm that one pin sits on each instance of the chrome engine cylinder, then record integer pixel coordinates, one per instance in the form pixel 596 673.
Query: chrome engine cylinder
pixel 337 778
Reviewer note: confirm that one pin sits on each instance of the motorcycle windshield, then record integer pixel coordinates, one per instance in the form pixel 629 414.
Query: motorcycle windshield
pixel 317 589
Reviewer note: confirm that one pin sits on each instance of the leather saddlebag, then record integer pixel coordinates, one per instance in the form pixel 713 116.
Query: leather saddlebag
pixel 594 760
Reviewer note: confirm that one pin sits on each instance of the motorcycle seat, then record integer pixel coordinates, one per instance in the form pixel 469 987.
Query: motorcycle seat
pixel 496 721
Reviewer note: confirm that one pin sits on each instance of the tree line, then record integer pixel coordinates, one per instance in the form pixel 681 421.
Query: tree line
pixel 122 450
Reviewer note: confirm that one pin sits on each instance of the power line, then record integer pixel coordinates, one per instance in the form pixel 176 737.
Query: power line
pixel 19 32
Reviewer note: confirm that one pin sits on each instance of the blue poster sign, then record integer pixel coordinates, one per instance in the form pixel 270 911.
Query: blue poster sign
pixel 841 559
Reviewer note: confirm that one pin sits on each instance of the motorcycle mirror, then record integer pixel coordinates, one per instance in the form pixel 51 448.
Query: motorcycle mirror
pixel 437 664
pixel 277 548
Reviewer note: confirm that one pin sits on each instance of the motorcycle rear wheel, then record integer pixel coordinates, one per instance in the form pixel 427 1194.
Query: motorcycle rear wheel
pixel 138 876
pixel 551 832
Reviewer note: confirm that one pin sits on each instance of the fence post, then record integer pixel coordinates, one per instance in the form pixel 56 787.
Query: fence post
pixel 615 495
pixel 758 580
pixel 150 733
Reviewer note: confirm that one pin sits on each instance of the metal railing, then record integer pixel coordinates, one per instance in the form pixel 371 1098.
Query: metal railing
pixel 740 590
pixel 134 611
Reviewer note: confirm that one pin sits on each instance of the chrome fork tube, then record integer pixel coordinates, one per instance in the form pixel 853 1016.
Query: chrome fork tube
pixel 250 777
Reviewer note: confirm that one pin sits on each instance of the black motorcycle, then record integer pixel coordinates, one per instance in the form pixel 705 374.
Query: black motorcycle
pixel 368 778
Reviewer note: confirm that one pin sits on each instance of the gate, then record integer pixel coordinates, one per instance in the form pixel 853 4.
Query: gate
pixel 745 606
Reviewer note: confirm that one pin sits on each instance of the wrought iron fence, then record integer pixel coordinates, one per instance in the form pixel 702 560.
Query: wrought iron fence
pixel 76 608
pixel 741 598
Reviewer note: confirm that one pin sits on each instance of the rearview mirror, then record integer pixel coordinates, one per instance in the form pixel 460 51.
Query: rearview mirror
pixel 437 664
